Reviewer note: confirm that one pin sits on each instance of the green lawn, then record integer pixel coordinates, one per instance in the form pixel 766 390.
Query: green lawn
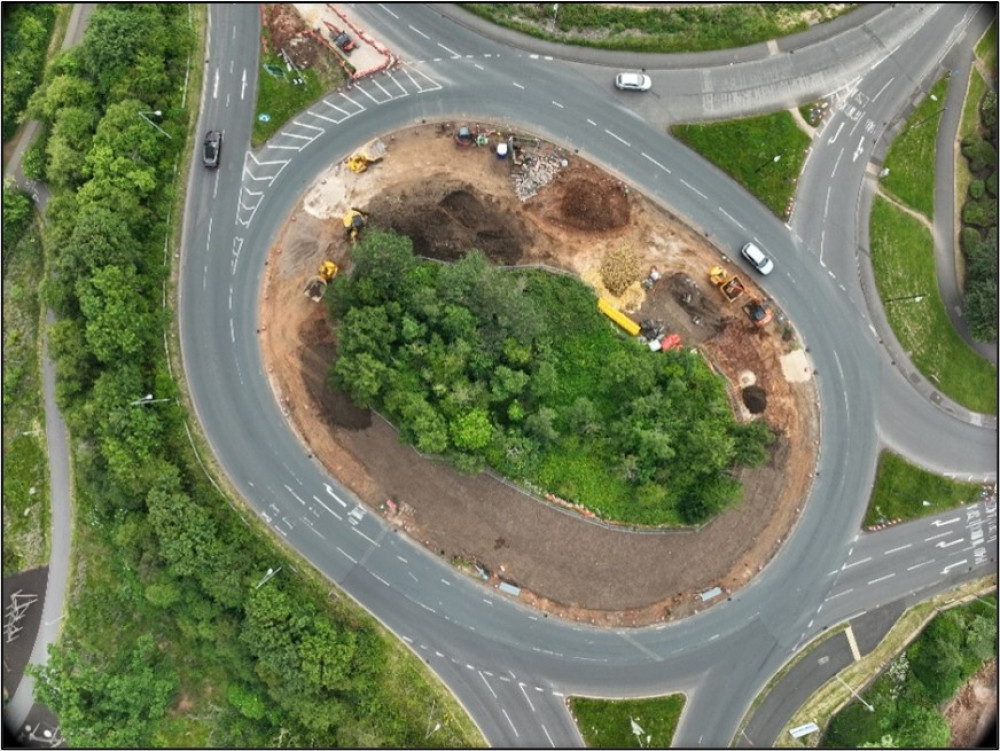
pixel 691 28
pixel 904 491
pixel 902 254
pixel 604 723
pixel 986 49
pixel 25 475
pixel 278 98
pixel 746 150
pixel 910 160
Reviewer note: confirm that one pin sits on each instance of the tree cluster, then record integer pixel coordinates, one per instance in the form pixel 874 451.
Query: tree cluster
pixel 519 372
pixel 27 28
pixel 172 599
pixel 978 238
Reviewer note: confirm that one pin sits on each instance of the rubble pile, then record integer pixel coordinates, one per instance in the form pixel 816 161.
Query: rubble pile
pixel 536 172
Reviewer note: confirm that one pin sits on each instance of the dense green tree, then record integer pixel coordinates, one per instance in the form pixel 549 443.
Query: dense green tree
pixel 119 323
pixel 471 430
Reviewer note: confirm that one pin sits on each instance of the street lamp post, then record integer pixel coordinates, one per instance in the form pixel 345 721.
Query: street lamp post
pixel 148 399
pixel 270 572
pixel 916 298
pixel 775 160
pixel 855 694
pixel 158 113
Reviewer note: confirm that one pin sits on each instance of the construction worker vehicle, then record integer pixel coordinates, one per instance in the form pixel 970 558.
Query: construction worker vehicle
pixel 370 153
pixel 730 286
pixel 758 312
pixel 354 221
pixel 316 286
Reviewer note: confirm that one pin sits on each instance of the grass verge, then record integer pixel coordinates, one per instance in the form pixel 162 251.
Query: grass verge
pixel 25 475
pixel 986 49
pixel 279 97
pixel 627 723
pixel 910 160
pixel 651 29
pixel 967 127
pixel 902 254
pixel 831 697
pixel 764 154
pixel 904 491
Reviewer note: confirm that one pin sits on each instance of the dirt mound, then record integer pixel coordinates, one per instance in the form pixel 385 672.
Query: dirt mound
pixel 755 398
pixel 590 204
pixel 319 354
pixel 446 227
pixel 702 313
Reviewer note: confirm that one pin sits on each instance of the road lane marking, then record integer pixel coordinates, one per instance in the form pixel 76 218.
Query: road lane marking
pixel 526 697
pixel 901 547
pixel 379 578
pixel 920 564
pixel 834 138
pixel 855 652
pixel 352 560
pixel 446 582
pixel 215 86
pixel 552 742
pixel 857 151
pixel 448 50
pixel 617 137
pixel 950 566
pixel 558 693
pixel 488 602
pixel 945 522
pixel 382 6
pixel 402 559
pixel 839 594
pixel 487 684
pixel 517 84
pixel 414 28
pixel 557 104
pixel 882 578
pixel 329 492
pixel 243 88
pixel 731 218
pixel 365 536
pixel 934 537
pixel 591 122
pixel 647 156
pixel 426 607
pixel 516 734
pixel 339 517
pixel 856 563
pixel 413 577
pixel 886 83
pixel 693 189
pixel 944 544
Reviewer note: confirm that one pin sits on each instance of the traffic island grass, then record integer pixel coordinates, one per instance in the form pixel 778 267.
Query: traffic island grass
pixel 25 475
pixel 627 723
pixel 910 160
pixel 986 49
pixel 833 696
pixel 279 97
pixel 904 491
pixel 764 154
pixel 902 255
pixel 691 28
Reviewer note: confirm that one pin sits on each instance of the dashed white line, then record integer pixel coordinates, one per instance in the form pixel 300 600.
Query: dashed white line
pixel 839 594
pixel 731 218
pixel 551 742
pixel 402 559
pixel 380 578
pixel 617 137
pixel 446 582
pixel 882 578
pixel 517 84
pixel 516 734
pixel 487 684
pixel 389 12
pixel 448 50
pixel 352 560
pixel 934 537
pixel 693 189
pixel 414 28
pixel 365 536
pixel 856 563
pixel 557 104
pixel 647 156
pixel 426 607
pixel 591 122
pixel 901 547
pixel 334 513
pixel 526 697
pixel 488 602
pixel 918 565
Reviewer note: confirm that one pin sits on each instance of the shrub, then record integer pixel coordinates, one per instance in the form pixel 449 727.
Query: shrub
pixel 976 188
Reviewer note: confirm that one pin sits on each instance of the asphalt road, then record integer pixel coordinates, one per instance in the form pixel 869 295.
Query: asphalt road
pixel 511 667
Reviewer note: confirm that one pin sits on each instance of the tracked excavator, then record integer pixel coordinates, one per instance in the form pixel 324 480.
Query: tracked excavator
pixel 354 221
pixel 316 286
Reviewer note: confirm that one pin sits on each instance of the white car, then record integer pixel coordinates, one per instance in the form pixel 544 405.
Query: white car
pixel 757 259
pixel 633 81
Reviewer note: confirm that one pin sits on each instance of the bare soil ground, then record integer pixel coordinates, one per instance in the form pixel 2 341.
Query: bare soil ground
pixel 974 709
pixel 449 199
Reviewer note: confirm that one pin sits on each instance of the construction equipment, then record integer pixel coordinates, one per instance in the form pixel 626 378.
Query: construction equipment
pixel 344 42
pixel 316 285
pixel 354 221
pixel 370 153
pixel 653 278
pixel 730 286
pixel 621 319
pixel 758 312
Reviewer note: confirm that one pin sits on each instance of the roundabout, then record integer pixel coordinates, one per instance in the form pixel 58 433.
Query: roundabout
pixel 511 667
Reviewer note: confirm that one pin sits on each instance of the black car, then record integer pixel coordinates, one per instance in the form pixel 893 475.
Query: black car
pixel 212 150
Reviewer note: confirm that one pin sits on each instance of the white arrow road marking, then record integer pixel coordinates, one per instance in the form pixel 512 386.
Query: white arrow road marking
pixel 944 544
pixel 834 136
pixel 945 522
pixel 857 151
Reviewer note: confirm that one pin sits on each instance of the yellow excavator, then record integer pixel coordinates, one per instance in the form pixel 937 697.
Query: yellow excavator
pixel 354 221
pixel 370 153
pixel 316 286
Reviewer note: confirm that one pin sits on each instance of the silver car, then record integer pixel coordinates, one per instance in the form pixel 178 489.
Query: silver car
pixel 757 258
pixel 633 81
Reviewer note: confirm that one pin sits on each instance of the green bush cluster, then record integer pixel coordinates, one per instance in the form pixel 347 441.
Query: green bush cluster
pixel 169 608
pixel 978 238
pixel 27 28
pixel 906 697
pixel 519 371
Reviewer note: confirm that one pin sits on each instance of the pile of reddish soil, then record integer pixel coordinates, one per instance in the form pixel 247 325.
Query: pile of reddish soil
pixel 449 201
pixel 590 204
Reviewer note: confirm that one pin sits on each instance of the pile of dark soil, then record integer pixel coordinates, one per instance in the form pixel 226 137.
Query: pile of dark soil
pixel 755 398
pixel 594 204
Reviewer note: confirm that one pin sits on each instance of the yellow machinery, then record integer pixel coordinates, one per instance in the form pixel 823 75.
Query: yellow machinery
pixel 371 152
pixel 620 318
pixel 730 286
pixel 354 221
pixel 316 286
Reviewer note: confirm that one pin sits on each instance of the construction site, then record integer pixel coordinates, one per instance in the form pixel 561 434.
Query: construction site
pixel 452 187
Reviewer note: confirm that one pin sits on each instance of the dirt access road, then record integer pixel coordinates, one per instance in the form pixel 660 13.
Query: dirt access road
pixel 449 199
